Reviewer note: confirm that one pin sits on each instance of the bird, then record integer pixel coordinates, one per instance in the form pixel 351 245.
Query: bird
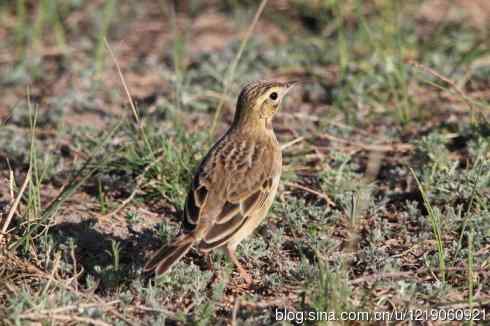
pixel 235 183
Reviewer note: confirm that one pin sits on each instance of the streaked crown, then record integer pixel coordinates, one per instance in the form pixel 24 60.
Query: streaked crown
pixel 257 93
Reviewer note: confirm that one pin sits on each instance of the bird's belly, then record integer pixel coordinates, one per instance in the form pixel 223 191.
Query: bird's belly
pixel 256 218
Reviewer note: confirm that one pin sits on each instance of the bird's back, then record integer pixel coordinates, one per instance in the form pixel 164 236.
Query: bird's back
pixel 236 173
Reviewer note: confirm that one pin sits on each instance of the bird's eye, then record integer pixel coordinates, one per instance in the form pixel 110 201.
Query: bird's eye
pixel 273 96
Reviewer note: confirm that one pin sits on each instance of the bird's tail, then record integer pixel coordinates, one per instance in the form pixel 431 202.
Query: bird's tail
pixel 167 256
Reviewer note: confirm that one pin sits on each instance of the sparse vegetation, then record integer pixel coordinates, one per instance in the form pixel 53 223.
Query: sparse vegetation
pixel 384 201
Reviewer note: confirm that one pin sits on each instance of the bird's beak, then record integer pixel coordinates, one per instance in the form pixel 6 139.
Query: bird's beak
pixel 289 85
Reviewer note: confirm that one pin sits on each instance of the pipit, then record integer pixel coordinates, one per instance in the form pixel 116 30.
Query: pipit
pixel 236 182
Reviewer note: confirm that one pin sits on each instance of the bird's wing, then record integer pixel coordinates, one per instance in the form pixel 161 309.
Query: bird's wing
pixel 232 182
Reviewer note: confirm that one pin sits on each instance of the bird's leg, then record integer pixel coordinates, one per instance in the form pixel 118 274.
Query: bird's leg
pixel 243 272
pixel 209 261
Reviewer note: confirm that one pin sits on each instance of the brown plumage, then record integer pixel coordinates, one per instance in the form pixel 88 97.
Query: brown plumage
pixel 235 183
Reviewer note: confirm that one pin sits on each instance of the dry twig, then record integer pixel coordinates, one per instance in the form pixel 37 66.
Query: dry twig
pixel 14 206
pixel 312 191
pixel 395 147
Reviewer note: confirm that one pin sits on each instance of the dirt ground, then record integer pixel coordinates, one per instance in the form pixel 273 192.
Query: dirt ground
pixel 383 204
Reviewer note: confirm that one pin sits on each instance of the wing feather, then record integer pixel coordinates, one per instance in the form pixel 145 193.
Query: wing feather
pixel 232 182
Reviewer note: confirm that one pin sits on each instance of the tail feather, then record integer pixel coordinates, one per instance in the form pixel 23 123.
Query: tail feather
pixel 167 256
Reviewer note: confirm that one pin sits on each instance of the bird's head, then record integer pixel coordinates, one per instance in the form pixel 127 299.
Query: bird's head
pixel 259 100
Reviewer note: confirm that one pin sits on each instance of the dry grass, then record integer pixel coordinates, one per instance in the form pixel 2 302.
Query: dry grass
pixel 383 204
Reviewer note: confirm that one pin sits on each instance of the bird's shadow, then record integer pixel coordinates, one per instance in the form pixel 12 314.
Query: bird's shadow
pixel 108 259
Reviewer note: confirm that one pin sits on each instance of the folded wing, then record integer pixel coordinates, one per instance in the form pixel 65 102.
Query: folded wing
pixel 238 191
